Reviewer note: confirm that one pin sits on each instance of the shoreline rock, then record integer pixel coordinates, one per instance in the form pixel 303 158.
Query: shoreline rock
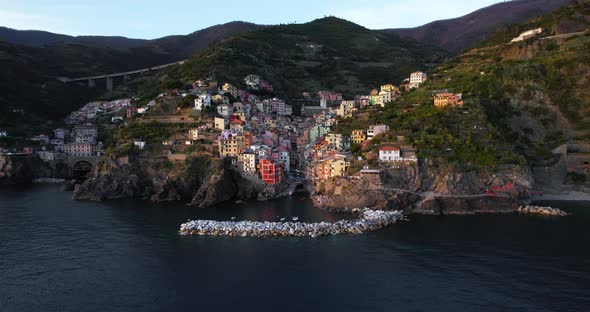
pixel 546 211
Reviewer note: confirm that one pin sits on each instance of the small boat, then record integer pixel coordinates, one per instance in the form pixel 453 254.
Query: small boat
pixel 283 219
pixel 233 218
pixel 295 218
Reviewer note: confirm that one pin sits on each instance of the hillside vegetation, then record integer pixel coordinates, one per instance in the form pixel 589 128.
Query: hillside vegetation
pixel 521 99
pixel 328 53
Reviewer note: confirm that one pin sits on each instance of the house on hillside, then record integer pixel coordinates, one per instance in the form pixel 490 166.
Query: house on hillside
pixel 376 130
pixel 358 136
pixel 527 34
pixel 389 153
pixel 417 78
pixel 202 101
pixel 448 99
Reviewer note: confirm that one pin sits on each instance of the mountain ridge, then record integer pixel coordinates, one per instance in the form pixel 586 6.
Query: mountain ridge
pixel 456 34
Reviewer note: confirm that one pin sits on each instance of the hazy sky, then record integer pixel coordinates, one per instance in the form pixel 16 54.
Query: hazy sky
pixel 157 18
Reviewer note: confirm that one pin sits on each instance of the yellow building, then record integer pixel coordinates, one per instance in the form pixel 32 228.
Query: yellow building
pixel 232 146
pixel 219 123
pixel 339 168
pixel 389 88
pixel 358 136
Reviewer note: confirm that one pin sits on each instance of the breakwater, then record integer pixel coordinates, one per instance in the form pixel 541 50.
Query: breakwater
pixel 369 220
pixel 548 211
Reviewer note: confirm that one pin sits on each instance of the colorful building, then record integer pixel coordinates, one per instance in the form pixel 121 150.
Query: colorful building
pixel 358 136
pixel 448 99
pixel 271 172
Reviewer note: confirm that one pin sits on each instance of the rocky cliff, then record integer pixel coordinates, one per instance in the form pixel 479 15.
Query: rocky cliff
pixel 203 182
pixel 228 185
pixel 113 179
pixel 429 189
pixel 23 169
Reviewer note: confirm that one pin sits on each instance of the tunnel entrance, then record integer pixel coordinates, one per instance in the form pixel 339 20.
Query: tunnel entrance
pixel 82 169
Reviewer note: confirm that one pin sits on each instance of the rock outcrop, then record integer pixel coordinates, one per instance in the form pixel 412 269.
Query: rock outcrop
pixel 228 185
pixel 203 182
pixel 428 189
pixel 23 169
pixel 113 179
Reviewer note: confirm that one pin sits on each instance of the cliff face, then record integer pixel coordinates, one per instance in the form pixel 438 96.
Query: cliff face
pixel 228 185
pixel 23 169
pixel 112 179
pixel 15 170
pixel 203 182
pixel 430 190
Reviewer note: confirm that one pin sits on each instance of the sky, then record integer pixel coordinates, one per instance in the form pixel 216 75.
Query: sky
pixel 150 19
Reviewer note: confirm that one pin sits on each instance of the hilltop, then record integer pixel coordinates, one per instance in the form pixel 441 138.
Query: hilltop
pixel 328 53
pixel 175 47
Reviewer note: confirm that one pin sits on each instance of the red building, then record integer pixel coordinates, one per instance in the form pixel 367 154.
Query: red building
pixel 271 172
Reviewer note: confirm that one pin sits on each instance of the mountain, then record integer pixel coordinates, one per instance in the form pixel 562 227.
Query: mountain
pixel 187 45
pixel 460 33
pixel 177 47
pixel 328 53
pixel 38 38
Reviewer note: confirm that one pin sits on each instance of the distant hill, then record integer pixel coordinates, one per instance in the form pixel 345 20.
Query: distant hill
pixel 38 38
pixel 175 47
pixel 328 53
pixel 185 46
pixel 460 33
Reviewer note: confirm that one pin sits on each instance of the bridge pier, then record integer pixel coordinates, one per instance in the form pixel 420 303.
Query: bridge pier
pixel 91 83
pixel 109 83
pixel 125 79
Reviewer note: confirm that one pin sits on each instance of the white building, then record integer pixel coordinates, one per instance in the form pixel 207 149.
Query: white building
pixel 527 34
pixel 389 153
pixel 249 162
pixel 386 96
pixel 202 101
pixel 285 159
pixel 139 144
pixel 3 133
pixel 416 79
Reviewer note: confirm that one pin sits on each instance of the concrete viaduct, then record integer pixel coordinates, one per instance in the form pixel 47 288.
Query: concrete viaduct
pixel 109 77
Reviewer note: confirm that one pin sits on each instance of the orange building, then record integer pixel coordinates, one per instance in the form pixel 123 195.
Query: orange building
pixel 448 99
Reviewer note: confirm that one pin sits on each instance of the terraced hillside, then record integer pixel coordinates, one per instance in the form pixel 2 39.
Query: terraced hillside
pixel 328 53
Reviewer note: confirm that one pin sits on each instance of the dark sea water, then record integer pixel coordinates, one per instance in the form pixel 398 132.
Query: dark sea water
pixel 60 255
